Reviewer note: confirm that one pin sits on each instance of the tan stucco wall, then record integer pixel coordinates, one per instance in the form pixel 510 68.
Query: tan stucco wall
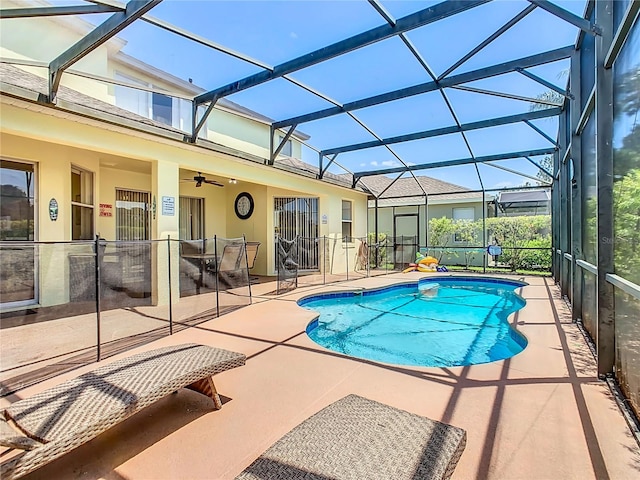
pixel 43 39
pixel 55 141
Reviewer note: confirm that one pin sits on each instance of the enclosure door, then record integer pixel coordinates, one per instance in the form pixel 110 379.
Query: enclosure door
pixel 17 227
pixel 405 238
pixel 298 217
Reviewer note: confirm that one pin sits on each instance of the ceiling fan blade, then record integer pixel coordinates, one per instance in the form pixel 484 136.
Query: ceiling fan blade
pixel 213 182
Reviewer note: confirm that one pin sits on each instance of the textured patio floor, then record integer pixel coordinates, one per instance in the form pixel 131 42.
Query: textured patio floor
pixel 542 414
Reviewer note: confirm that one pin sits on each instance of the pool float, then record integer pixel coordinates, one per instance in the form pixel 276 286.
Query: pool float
pixel 423 264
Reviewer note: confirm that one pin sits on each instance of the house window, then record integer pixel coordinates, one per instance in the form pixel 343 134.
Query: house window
pixel 157 106
pixel 81 204
pixel 465 214
pixel 191 218
pixel 347 219
pixel 132 99
pixel 162 108
pixel 287 149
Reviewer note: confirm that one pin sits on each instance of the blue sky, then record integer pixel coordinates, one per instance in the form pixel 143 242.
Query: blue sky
pixel 276 31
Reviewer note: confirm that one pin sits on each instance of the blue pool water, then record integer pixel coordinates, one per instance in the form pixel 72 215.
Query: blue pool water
pixel 436 322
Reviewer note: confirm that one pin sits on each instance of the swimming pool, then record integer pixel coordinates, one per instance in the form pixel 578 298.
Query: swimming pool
pixel 436 322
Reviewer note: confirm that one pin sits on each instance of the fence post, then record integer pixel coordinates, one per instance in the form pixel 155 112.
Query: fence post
pixel 485 240
pixel 169 272
pixel 324 261
pixel 346 254
pixel 98 306
pixel 215 254
pixel 368 257
pixel 278 254
pixel 246 259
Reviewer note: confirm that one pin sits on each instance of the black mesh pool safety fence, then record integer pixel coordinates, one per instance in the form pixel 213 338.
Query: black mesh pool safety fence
pixel 287 266
pixel 67 304
pixel 73 303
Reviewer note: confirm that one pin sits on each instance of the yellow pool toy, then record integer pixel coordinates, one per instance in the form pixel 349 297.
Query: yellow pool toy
pixel 423 264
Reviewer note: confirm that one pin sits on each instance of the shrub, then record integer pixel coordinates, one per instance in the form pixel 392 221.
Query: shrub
pixel 536 259
pixel 513 233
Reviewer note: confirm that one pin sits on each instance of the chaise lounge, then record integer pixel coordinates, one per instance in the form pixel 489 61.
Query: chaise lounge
pixel 356 439
pixel 55 421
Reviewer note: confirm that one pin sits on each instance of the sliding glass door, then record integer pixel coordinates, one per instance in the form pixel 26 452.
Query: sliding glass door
pixel 17 227
pixel 298 217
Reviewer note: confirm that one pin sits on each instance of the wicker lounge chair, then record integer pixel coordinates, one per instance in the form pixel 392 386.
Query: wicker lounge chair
pixel 55 421
pixel 359 439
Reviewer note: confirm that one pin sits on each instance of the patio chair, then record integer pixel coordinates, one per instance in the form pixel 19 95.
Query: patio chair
pixel 357 438
pixel 231 269
pixel 198 260
pixel 51 423
pixel 252 254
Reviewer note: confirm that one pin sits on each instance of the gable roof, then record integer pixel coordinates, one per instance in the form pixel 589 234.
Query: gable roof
pixel 408 191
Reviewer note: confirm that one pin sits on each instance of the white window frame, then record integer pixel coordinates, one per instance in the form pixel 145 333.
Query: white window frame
pixel 88 206
pixel 456 238
pixel 347 221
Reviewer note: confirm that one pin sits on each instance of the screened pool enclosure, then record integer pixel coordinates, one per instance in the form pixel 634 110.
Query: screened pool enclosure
pixel 488 96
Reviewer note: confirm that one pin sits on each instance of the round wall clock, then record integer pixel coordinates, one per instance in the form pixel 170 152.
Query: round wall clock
pixel 244 205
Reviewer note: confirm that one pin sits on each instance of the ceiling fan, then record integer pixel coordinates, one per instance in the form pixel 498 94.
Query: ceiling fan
pixel 200 179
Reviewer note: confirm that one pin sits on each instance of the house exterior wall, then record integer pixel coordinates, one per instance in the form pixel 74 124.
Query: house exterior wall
pixel 43 39
pixel 55 141
pixel 436 210
pixel 386 215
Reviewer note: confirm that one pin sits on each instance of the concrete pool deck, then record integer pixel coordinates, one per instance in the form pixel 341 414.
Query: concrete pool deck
pixel 542 414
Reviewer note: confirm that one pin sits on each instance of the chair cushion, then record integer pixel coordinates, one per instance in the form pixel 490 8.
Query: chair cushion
pixel 356 438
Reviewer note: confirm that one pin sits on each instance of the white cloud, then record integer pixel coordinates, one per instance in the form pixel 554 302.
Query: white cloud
pixel 506 184
pixel 293 35
pixel 389 163
pixel 374 163
pixel 363 164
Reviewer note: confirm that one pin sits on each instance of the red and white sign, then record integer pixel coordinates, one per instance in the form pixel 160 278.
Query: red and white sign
pixel 106 210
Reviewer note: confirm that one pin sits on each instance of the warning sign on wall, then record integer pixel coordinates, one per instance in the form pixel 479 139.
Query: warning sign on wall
pixel 106 210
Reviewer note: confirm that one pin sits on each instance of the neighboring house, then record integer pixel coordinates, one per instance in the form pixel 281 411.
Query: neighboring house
pixel 402 211
pixel 112 161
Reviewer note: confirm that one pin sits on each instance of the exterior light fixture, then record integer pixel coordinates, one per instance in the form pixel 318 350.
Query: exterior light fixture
pixel 233 181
